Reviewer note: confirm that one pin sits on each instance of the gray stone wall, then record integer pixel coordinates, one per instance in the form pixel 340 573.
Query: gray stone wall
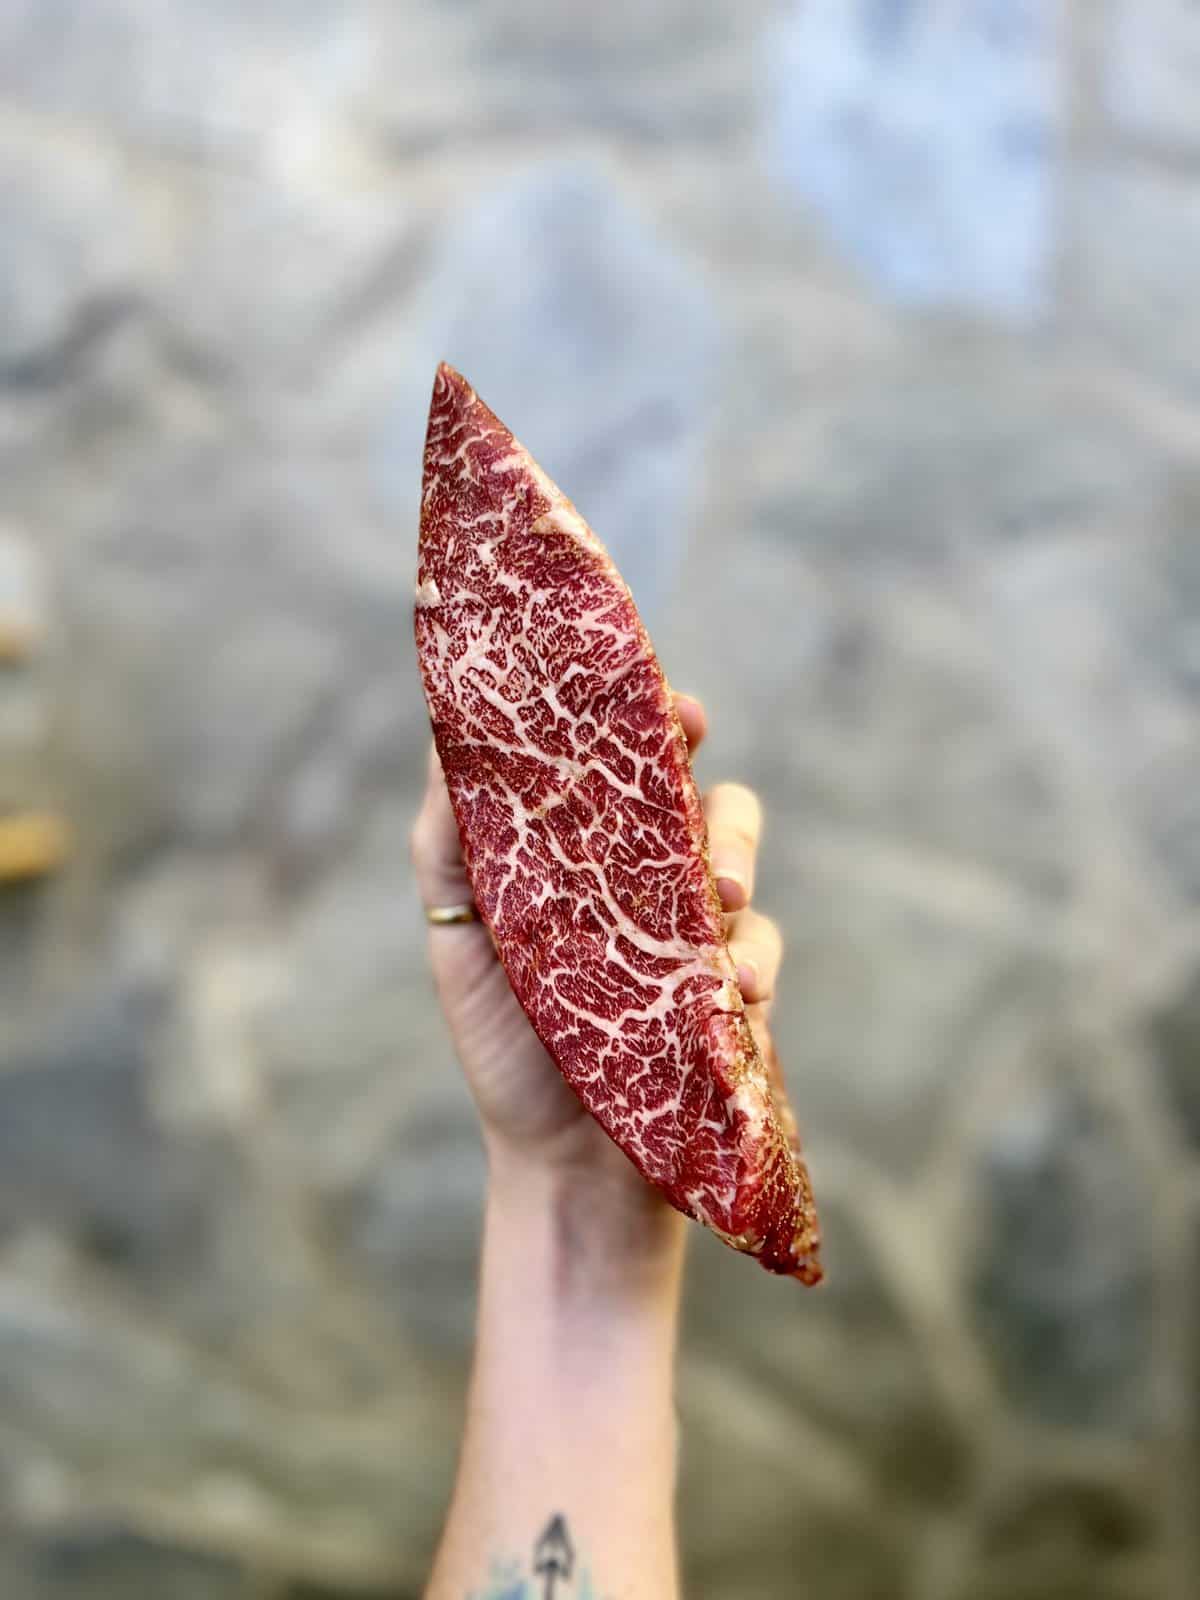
pixel 866 334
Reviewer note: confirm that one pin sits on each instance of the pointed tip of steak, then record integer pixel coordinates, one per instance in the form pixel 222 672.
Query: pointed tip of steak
pixel 450 389
pixel 477 476
pixel 455 403
pixel 584 835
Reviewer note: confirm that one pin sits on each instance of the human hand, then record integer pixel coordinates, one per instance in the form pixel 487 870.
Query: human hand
pixel 533 1123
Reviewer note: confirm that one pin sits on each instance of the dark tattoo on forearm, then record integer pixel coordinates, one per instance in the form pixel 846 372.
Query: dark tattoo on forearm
pixel 552 1573
pixel 554 1555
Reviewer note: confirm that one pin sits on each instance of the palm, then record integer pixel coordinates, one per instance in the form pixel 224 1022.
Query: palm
pixel 519 1091
pixel 522 1098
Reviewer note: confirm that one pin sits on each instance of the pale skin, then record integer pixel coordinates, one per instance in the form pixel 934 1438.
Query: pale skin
pixel 570 1409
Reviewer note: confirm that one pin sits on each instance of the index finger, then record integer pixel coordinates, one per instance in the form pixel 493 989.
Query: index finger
pixel 734 819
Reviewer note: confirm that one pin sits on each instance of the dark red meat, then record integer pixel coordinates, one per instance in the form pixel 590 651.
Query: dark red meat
pixel 584 837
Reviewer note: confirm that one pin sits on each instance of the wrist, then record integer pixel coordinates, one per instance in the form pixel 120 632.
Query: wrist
pixel 589 1231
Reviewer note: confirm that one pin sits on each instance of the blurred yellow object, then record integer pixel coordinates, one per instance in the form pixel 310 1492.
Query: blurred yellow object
pixel 16 643
pixel 32 844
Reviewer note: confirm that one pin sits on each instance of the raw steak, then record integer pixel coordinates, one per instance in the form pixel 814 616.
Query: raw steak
pixel 584 836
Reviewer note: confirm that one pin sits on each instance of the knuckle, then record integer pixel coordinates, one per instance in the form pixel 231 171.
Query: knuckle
pixel 765 934
pixel 737 835
pixel 741 800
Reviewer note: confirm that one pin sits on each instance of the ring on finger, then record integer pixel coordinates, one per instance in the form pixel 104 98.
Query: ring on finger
pixel 451 916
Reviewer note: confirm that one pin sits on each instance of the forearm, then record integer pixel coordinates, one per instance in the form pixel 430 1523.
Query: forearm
pixel 570 1410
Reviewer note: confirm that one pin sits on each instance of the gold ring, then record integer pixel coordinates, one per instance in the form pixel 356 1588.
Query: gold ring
pixel 450 916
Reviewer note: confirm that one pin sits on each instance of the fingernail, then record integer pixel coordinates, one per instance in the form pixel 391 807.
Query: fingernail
pixel 731 887
pixel 749 977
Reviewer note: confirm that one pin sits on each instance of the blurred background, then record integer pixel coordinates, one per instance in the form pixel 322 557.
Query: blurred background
pixel 865 333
